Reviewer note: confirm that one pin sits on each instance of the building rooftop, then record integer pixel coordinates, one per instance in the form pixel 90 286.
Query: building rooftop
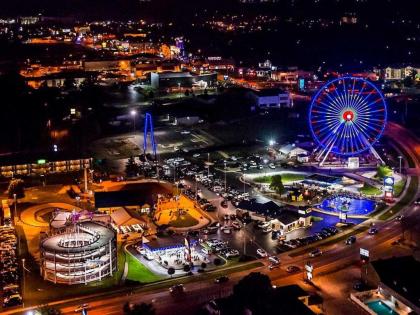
pixel 270 92
pixel 401 274
pixel 271 209
pixel 138 195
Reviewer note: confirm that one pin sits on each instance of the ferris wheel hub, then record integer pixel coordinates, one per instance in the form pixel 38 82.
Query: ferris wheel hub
pixel 348 115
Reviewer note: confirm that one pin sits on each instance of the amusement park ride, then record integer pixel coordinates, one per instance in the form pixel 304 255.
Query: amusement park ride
pixel 347 117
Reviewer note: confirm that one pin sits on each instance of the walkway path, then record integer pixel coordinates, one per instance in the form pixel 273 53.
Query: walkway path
pixel 31 215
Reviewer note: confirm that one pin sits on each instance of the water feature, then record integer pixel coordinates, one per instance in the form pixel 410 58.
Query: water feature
pixel 350 205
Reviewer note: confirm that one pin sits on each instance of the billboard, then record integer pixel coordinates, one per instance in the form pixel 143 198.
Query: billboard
pixel 389 183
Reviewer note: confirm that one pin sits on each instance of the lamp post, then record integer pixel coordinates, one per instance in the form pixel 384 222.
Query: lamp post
pixel 400 158
pixel 23 282
pixel 133 114
pixel 14 204
pixel 225 177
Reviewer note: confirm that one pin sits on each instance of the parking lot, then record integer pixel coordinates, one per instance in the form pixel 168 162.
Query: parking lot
pixel 9 267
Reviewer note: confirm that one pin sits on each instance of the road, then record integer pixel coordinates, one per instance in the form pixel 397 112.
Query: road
pixel 336 256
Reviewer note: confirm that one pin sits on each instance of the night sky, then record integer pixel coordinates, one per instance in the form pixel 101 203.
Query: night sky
pixel 106 8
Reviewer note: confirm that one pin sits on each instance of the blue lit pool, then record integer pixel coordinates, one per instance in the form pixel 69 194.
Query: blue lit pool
pixel 349 205
pixel 381 308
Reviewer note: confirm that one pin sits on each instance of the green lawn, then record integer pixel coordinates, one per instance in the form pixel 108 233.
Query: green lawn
pixel 138 272
pixel 184 220
pixel 286 178
pixel 370 190
pixel 399 187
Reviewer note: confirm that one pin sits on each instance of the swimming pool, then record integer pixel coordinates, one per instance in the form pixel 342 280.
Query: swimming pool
pixel 381 308
pixel 348 204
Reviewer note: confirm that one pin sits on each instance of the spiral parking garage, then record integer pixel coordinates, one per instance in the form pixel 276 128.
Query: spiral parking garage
pixel 79 253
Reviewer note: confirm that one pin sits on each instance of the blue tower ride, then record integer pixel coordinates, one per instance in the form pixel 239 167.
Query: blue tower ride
pixel 148 127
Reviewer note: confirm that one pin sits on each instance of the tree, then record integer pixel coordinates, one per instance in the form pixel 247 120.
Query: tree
pixel 16 186
pixel 131 168
pixel 47 310
pixel 217 261
pixel 383 171
pixel 277 184
pixel 171 271
pixel 139 309
pixel 254 290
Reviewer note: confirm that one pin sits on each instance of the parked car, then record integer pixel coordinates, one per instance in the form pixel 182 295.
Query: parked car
pixel 261 253
pixel 274 259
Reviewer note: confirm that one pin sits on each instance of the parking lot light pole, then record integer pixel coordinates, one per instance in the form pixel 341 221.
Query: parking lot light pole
pixel 225 178
pixel 133 114
pixel 23 282
pixel 400 158
pixel 14 201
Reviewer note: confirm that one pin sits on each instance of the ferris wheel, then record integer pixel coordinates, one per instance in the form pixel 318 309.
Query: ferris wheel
pixel 346 117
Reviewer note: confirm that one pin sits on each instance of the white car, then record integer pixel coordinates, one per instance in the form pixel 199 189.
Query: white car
pixel 262 253
pixel 232 253
pixel 272 166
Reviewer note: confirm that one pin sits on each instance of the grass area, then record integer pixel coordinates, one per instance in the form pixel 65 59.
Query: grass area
pixel 405 200
pixel 370 190
pixel 399 187
pixel 286 178
pixel 139 272
pixel 184 220
pixel 316 219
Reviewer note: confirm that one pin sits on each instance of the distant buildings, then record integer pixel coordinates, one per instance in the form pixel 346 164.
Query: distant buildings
pixel 272 98
pixel 292 151
pixel 400 73
pixel 181 79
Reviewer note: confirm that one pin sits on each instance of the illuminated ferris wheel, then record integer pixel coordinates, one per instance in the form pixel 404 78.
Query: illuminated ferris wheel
pixel 347 116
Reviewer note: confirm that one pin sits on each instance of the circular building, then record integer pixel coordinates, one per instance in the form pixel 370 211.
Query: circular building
pixel 79 253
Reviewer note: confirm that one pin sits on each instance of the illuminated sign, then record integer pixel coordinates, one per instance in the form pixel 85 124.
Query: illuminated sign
pixel 41 161
pixel 364 252
pixel 353 162
pixel 309 271
pixel 364 255
pixel 301 84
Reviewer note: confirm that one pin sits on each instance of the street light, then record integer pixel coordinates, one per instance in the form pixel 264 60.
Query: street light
pixel 14 201
pixel 225 177
pixel 400 158
pixel 133 114
pixel 271 142
pixel 23 282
